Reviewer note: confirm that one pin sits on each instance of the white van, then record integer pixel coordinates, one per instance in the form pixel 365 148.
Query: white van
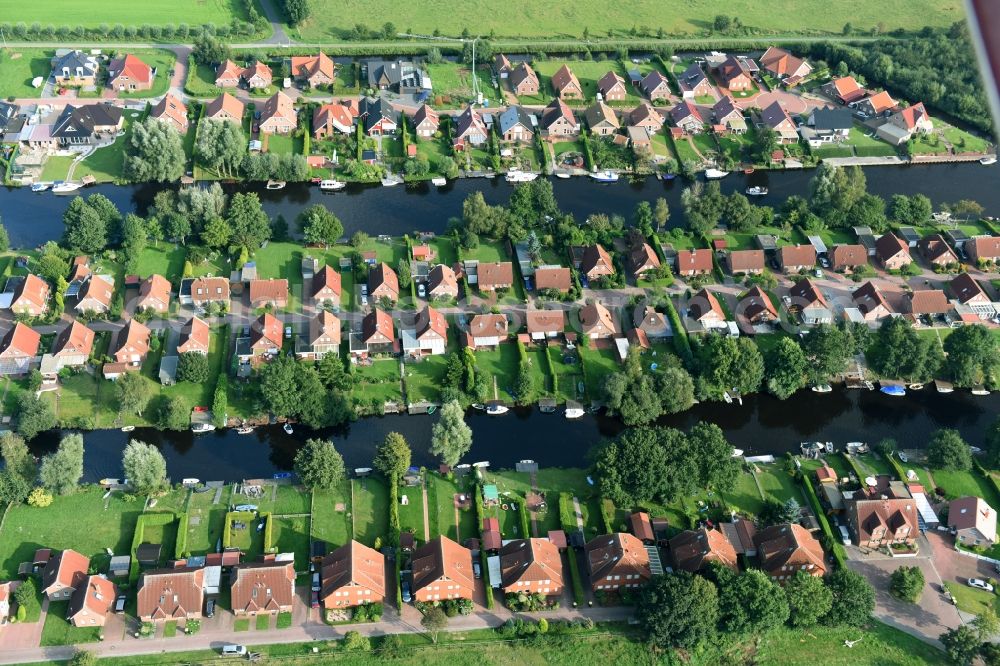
pixel 232 650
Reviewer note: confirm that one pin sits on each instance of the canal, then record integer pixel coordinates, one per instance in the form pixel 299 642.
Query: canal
pixel 761 425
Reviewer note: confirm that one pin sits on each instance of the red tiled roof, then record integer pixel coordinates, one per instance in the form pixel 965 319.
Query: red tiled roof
pixel 75 339
pixel 194 336
pixel 377 322
pixel 565 78
pixel 496 275
pixel 694 260
pixel 545 321
pixel 929 301
pixel 225 102
pixel 266 329
pixel 34 290
pixel 21 340
pixel 155 288
pixel 131 67
pixel 268 290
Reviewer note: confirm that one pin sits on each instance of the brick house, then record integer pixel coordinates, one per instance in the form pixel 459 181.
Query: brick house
pixel 228 74
pixel 797 258
pixel 257 76
pixel 273 292
pixel 811 303
pixel 566 85
pixel 735 75
pixel 554 278
pixel 426 121
pixel 429 337
pixel 523 80
pixel 596 262
pixel 641 260
pixel 265 337
pixel 845 258
pixel 487 331
pixel 693 82
pixel 207 290
pixel 892 252
pixel 442 569
pixel 973 520
pixel 195 337
pixel 326 287
pixel 352 575
pixel 495 275
pixel 73 345
pixel 601 119
pixel 132 344
pixel 442 282
pixel 277 115
pixel 323 337
pixel 63 573
pixel 871 303
pixel 95 295
pixel 154 294
pixel 129 73
pixel 224 107
pixel 596 321
pixel 383 283
pixel 783 550
pixel 937 252
pixel 757 307
pixel 880 522
pixel 746 262
pixel 784 66
pixel 171 594
pixel 262 588
pixel 705 309
pixel 172 111
pixel 692 550
pixel 655 85
pixel 377 333
pixel 470 128
pixel 314 70
pixel 90 602
pixel 332 119
pixel 531 566
pixel 617 561
pixel 694 262
pixel 687 117
pixel 983 249
pixel 611 87
pixel 776 117
pixel 557 120
pixel 544 324
pixel 31 296
pixel 647 117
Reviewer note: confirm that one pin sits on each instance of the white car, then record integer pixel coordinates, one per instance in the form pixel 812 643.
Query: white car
pixel 980 584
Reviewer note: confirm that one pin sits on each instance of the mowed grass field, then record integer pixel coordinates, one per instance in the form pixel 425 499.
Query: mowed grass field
pixel 526 18
pixel 94 14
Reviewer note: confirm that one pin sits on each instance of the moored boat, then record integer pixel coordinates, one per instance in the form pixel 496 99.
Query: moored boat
pixel 737 452
pixel 518 176
pixel 244 430
pixel 979 389
pixel 715 174
pixel 496 409
pixel 606 176
pixel 198 428
pixel 275 184
pixel 288 428
pixel 988 160
pixel 65 188
pixel 128 428
pixel 562 174
pixel 895 390
pixel 574 410
pixel 439 182
pixel 40 187
pixel 943 386
pixel 332 185
pixel 756 191
pixel 822 388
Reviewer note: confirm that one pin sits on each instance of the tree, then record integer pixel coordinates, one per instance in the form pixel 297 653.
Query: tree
pixel 17 458
pixel 961 644
pixel 776 513
pixel 809 599
pixel 764 143
pixel 154 152
pixel 451 436
pixel 279 386
pixel 134 236
pixel 297 11
pixel 729 364
pixel 144 467
pixel 220 146
pixel 208 50
pixel 14 488
pixel 83 658
pixel 355 642
pixel 678 610
pixel 853 598
pixel 220 403
pixel 393 457
pixel 172 413
pixel 973 355
pixel 483 219
pixel 947 450
pixel 198 204
pixel 434 621
pixel 752 603
pixel 676 389
pixel 834 190
pixel 404 274
pixel 899 352
pixel 722 23
pixel 248 221
pixel 61 471
pixel 869 211
pixel 133 393
pixel 786 368
pixel 319 226
pixel 332 373
pixel 633 467
pixel 391 647
pixel 4 239
pixel 907 583
pixel 661 213
pixel 717 468
pixel 319 465
pixel 86 229
pixel 827 349
pixel 193 367
pixel 33 416
pixel 702 206
pixel 216 233
pixel 643 217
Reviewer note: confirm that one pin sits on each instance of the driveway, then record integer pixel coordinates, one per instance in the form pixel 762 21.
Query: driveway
pixel 23 635
pixel 791 102
pixel 928 618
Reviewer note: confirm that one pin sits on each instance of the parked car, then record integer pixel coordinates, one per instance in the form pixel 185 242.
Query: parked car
pixel 477 569
pixel 421 290
pixel 980 584
pixel 316 585
pixel 406 591
pixel 314 599
pixel 120 604
pixel 210 608
pixel 232 650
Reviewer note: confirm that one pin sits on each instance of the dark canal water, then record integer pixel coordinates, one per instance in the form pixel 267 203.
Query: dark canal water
pixel 761 425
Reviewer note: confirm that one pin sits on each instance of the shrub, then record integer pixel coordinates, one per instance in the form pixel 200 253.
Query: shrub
pixel 40 497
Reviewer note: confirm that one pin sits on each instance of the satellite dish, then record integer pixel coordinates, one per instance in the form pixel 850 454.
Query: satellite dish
pixel 870 481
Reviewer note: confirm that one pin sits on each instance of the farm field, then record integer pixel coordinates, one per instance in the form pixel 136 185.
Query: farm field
pixel 92 15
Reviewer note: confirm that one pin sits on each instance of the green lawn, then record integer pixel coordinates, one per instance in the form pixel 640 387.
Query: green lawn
pixel 58 631
pixel 206 521
pixel 884 646
pixel 501 364
pixel 411 514
pixel 165 259
pixel 163 61
pixel 597 365
pixel 970 599
pixel 379 381
pixel 776 483
pixel 454 81
pixel 329 523
pixel 425 378
pixel 201 81
pixel 19 66
pixel 927 144
pixel 291 535
pixel 200 395
pixel 371 510
pixel 92 15
pixel 961 484
pixel 105 164
pixel 962 140
pixel 441 508
pixel 82 521
pixel 56 167
pixel 282 260
pixel 745 496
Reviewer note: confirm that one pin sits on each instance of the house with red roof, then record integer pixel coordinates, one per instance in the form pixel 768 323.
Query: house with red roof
pixel 611 86
pixel 892 252
pixel 330 119
pixel 91 601
pixel 566 85
pixel 18 349
pixel 154 294
pixel 31 296
pixel 129 73
pixel 194 337
pixel 277 115
pixel 63 573
pixel 172 111
pixel 846 89
pixel 228 74
pixel 257 75
pixel 694 262
pixel 265 337
pixel 314 70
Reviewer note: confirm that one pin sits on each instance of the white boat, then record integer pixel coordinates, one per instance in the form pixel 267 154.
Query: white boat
pixel 202 427
pixel 829 447
pixel 391 180
pixel 496 409
pixel 128 428
pixel 988 160
pixel 756 191
pixel 244 430
pixel 916 386
pixel 902 456
pixel 527 461
pixel 943 386
pixel 190 482
pixel 822 388
pixel 980 390
pixel 606 176
pixel 480 406
pixel 518 176
pixel 975 449
pixel 288 428
pixel 857 447
pixel 728 398
pixel 574 412
pixel 275 184
pixel 737 453
pixel 332 185
pixel 40 187
pixel 66 188
pixel 563 175
pixel 440 182
pixel 715 174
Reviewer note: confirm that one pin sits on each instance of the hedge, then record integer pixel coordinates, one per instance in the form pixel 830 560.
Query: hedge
pixel 487 586
pixel 268 531
pixel 680 336
pixel 839 554
pixel 900 472
pixel 137 537
pixel 578 596
pixel 552 369
pixel 566 516
pixel 608 516
pixel 525 522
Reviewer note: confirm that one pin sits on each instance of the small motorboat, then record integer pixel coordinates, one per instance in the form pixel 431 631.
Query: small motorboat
pixel 190 482
pixel 902 457
pixel 917 386
pixel 439 182
pixel 894 390
pixel 748 171
pixel 574 412
pixel 332 185
pixel 975 449
pixel 829 447
pixel 480 406
pixel 496 409
pixel 715 174
pixel 943 386
pixel 66 188
pixel 728 398
pixel 40 187
pixel 275 184
pixel 822 388
pixel 199 428
pixel 667 176
pixel 518 176
pixel 979 389
pixel 988 160
pixel 390 180
pixel 857 447
pixel 756 191
pixel 128 428
pixel 526 462
pixel 563 175
pixel 737 453
pixel 606 176
pixel 244 430
pixel 288 429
